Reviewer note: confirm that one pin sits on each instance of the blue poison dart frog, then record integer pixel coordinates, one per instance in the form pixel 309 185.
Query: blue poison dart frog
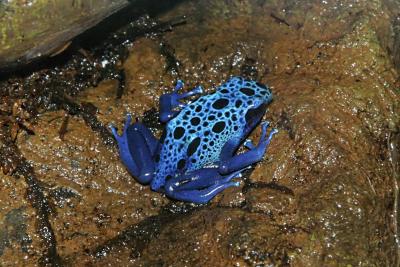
pixel 196 158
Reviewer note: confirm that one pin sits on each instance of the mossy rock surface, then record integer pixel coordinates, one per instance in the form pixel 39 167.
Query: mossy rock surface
pixel 34 29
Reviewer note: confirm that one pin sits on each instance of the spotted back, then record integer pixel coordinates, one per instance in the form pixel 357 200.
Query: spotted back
pixel 195 137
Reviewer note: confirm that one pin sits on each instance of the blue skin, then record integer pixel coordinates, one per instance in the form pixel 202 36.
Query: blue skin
pixel 195 159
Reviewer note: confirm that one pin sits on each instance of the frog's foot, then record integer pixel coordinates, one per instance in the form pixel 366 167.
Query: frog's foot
pixel 123 147
pixel 249 144
pixel 136 147
pixel 200 186
pixel 255 154
pixel 171 101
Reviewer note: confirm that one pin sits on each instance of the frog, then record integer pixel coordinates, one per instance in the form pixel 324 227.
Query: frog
pixel 196 156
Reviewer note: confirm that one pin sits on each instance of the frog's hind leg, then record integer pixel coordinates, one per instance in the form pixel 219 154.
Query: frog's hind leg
pixel 136 148
pixel 230 163
pixel 151 141
pixel 200 186
pixel 168 102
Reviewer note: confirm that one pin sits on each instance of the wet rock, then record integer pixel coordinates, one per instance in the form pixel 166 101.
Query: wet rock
pixel 224 237
pixel 86 183
pixel 19 242
pixel 14 230
pixel 326 192
pixel 396 43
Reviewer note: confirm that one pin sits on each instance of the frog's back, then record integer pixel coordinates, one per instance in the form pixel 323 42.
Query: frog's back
pixel 195 137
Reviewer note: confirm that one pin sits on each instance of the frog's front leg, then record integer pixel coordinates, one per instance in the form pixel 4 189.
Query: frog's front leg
pixel 199 186
pixel 230 162
pixel 168 102
pixel 137 146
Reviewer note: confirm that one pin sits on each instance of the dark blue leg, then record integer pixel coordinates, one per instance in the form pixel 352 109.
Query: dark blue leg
pixel 230 163
pixel 200 186
pixel 168 102
pixel 200 196
pixel 200 179
pixel 135 149
pixel 123 147
pixel 151 141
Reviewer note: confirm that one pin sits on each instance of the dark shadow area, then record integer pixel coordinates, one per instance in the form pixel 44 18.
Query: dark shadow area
pixel 136 237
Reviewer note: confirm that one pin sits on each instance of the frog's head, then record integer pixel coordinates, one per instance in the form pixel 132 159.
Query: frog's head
pixel 250 97
pixel 249 94
pixel 249 90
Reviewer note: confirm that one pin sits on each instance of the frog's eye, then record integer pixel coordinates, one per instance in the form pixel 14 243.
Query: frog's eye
pixel 220 103
pixel 263 90
pixel 247 91
pixel 254 114
pixel 262 86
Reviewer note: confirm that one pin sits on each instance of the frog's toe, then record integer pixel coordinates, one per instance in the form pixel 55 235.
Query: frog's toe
pixel 227 178
pixel 179 85
pixel 114 131
pixel 271 134
pixel 197 90
pixel 232 183
pixel 169 102
pixel 264 128
pixel 181 105
pixel 124 152
pixel 236 184
pixel 249 144
pixel 128 121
